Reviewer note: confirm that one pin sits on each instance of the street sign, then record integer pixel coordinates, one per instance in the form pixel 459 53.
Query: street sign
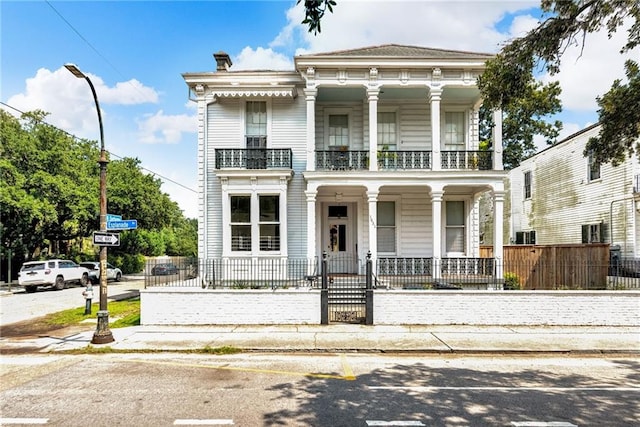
pixel 112 217
pixel 106 239
pixel 123 224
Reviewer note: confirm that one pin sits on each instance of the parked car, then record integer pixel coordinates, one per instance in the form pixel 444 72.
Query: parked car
pixel 164 269
pixel 113 273
pixel 57 273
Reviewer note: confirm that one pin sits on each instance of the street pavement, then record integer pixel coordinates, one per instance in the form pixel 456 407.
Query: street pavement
pixel 348 338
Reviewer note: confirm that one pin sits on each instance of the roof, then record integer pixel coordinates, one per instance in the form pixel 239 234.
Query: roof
pixel 396 50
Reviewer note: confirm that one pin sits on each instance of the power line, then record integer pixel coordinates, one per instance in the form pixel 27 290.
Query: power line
pixel 110 152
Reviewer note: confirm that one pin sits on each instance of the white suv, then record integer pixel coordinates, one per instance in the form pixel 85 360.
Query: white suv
pixel 54 272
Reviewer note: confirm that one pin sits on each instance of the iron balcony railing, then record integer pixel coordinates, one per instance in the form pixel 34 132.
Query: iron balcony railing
pixel 471 160
pixel 342 160
pixel 404 160
pixel 253 158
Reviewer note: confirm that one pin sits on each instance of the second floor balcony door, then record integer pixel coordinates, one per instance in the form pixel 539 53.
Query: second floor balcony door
pixel 256 134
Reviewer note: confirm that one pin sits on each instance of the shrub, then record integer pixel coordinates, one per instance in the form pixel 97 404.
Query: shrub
pixel 511 282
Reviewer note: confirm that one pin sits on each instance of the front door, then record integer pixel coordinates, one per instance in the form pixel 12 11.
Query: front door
pixel 339 239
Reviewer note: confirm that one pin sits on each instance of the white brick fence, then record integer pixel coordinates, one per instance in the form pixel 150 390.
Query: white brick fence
pixel 195 306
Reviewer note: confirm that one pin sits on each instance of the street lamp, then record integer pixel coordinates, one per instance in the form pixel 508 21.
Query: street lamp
pixel 103 334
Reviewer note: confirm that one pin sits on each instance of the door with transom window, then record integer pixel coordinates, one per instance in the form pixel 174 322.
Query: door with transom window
pixel 339 239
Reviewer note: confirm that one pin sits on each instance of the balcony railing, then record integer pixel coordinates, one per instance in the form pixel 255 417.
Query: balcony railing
pixel 253 158
pixel 404 160
pixel 471 160
pixel 342 160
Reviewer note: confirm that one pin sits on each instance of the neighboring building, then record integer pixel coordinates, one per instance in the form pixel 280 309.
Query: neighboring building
pixel 357 151
pixel 561 196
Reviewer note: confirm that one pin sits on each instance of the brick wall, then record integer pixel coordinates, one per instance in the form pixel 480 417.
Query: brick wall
pixel 194 306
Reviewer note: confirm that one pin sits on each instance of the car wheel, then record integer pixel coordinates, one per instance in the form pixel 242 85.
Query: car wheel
pixel 118 277
pixel 59 285
pixel 84 280
pixel 30 289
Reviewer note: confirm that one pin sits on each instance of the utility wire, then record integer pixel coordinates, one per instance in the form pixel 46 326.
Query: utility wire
pixel 110 152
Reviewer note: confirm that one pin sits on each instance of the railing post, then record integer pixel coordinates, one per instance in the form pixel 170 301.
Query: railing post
pixel 369 291
pixel 324 292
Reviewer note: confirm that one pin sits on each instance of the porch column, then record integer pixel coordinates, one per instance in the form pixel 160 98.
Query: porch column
pixel 372 197
pixel 436 96
pixel 310 96
pixel 436 225
pixel 496 136
pixel 284 223
pixel 226 218
pixel 311 222
pixel 372 94
pixel 498 214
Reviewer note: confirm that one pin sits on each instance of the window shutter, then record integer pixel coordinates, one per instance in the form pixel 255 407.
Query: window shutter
pixel 532 237
pixel 585 234
pixel 519 238
pixel 603 232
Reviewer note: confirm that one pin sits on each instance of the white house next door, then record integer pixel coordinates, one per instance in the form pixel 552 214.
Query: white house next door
pixel 338 238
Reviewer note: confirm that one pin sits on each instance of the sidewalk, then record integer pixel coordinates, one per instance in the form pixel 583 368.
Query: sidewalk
pixel 339 338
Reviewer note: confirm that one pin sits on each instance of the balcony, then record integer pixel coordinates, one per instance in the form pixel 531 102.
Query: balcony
pixel 469 160
pixel 404 160
pixel 253 158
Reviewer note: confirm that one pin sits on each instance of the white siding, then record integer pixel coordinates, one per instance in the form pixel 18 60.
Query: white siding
pixel 563 198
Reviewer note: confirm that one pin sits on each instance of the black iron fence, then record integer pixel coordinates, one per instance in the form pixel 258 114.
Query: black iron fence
pixel 394 273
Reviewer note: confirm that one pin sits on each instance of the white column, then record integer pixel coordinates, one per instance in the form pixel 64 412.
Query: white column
pixel 497 140
pixel 372 94
pixel 311 222
pixel 226 218
pixel 310 96
pixel 436 225
pixel 498 214
pixel 436 163
pixel 284 224
pixel 372 197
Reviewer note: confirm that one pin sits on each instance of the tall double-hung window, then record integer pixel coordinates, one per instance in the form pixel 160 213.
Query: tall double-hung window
pixel 455 227
pixel 454 131
pixel 387 227
pixel 387 131
pixel 338 130
pixel 262 227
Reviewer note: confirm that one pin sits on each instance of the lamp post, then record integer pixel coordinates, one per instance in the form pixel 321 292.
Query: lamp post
pixel 103 334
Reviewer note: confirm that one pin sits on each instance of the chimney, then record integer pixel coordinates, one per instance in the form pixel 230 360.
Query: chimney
pixel 223 61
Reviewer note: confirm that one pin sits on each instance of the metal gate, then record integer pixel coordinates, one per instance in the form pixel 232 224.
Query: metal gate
pixel 347 299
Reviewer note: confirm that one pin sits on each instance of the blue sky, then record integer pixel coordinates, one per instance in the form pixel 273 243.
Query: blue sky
pixel 135 54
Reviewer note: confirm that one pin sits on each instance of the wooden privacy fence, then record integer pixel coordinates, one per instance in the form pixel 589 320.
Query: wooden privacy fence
pixel 556 266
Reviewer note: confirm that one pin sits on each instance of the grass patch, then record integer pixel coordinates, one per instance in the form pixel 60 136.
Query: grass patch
pixel 127 312
pixel 220 350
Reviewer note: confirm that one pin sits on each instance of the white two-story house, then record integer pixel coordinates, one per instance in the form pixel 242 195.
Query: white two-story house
pixel 561 196
pixel 372 150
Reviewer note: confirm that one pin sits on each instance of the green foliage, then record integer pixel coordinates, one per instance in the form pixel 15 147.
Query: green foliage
pixel 504 83
pixel 129 263
pixel 314 12
pixel 511 282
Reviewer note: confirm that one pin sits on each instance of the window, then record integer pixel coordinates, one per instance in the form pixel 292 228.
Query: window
pixel 269 223
pixel 455 231
pixel 338 130
pixel 240 223
pixel 265 225
pixel 387 131
pixel 454 131
pixel 387 227
pixel 256 118
pixel 594 168
pixel 525 237
pixel 527 185
pixel 593 233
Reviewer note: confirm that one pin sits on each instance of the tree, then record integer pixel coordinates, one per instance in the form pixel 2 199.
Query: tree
pixel 314 12
pixel 524 119
pixel 568 22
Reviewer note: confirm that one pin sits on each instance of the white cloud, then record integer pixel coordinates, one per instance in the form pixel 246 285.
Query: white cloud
pixel 161 128
pixel 261 59
pixel 588 73
pixel 70 103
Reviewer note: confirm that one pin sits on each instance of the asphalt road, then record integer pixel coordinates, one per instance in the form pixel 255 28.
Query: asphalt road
pixel 318 390
pixel 18 305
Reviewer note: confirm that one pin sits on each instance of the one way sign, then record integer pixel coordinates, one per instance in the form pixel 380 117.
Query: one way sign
pixel 106 239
